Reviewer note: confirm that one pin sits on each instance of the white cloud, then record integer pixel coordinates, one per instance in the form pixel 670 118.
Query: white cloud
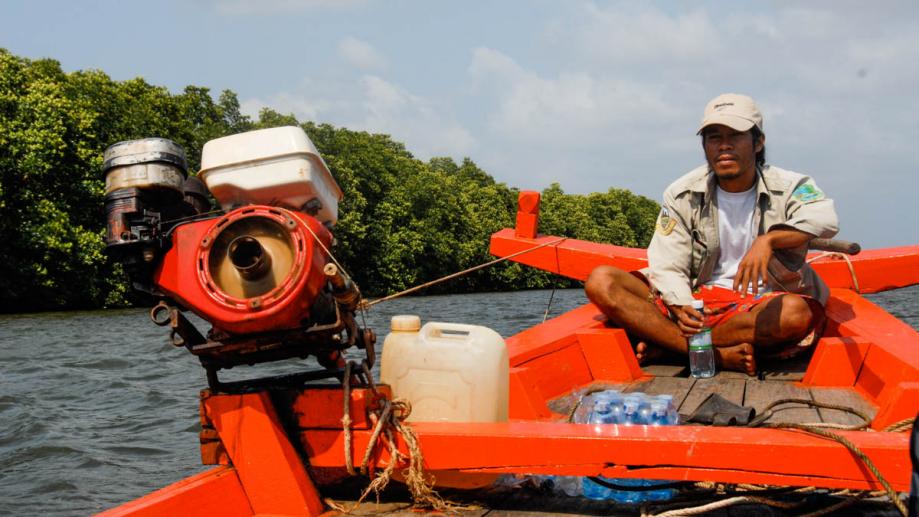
pixel 572 108
pixel 426 129
pixel 371 103
pixel 638 33
pixel 361 54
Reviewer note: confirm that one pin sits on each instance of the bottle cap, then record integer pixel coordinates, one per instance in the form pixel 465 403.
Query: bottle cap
pixel 405 323
pixel 698 305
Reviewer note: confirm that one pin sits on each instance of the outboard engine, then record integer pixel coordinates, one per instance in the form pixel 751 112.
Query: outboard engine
pixel 260 271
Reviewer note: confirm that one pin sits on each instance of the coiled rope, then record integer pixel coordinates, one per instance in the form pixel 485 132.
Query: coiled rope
pixel 389 419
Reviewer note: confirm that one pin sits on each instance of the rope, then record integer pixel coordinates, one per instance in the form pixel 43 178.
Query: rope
pixel 724 503
pixel 549 305
pixel 705 490
pixel 388 418
pixel 836 254
pixel 894 497
pixel 346 418
pixel 768 413
pixel 902 425
pixel 458 274
pixel 814 429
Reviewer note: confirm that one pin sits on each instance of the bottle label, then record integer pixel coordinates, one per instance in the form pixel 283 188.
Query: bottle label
pixel 701 341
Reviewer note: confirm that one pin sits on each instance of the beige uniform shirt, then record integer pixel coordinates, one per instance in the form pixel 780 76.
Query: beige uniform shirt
pixel 685 248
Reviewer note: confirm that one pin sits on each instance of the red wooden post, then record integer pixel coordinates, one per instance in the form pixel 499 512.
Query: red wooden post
pixel 527 214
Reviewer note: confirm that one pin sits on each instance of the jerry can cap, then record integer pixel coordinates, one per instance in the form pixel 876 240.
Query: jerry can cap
pixel 406 323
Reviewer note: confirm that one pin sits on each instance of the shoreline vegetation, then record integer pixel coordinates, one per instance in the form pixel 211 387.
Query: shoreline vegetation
pixel 402 222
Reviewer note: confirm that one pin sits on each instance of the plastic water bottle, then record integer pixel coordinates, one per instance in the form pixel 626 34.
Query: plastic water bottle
pixel 636 409
pixel 630 405
pixel 701 353
pixel 658 409
pixel 616 409
pixel 672 417
pixel 600 415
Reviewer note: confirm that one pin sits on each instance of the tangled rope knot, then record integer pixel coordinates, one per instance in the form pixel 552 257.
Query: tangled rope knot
pixel 389 419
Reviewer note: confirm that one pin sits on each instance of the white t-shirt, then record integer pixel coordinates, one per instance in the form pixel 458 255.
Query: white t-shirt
pixel 735 231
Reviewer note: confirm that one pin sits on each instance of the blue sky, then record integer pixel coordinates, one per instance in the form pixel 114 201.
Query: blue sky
pixel 591 95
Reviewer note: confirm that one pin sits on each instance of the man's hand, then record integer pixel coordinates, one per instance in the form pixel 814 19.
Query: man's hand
pixel 688 319
pixel 754 266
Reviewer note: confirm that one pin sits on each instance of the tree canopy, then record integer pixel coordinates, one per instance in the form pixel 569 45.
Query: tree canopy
pixel 403 221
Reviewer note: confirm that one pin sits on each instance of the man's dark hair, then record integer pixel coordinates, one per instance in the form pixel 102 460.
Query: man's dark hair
pixel 760 156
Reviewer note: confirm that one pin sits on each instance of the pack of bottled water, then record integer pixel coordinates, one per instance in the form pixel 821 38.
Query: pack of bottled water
pixel 614 407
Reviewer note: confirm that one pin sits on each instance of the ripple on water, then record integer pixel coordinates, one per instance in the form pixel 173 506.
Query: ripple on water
pixel 106 364
pixel 136 451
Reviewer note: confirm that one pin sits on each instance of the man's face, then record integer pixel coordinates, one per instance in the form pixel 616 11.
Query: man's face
pixel 730 153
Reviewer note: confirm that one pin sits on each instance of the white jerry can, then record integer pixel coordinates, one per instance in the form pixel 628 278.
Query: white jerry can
pixel 450 372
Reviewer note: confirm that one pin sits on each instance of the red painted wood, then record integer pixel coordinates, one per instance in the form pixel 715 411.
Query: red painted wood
pixel 897 404
pixel 553 375
pixel 552 335
pixel 836 362
pixel 524 402
pixel 215 492
pixel 313 406
pixel 876 270
pixel 527 215
pixel 715 453
pixel 268 466
pixel 609 355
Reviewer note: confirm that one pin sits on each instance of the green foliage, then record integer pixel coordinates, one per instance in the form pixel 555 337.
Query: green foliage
pixel 402 221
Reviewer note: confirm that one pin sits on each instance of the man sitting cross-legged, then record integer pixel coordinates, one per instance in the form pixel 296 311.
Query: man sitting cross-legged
pixel 733 233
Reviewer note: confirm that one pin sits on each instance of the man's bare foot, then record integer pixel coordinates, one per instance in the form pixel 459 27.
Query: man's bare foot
pixel 645 352
pixel 738 358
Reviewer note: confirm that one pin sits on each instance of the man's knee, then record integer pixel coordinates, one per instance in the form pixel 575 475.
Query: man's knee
pixel 603 282
pixel 600 280
pixel 797 316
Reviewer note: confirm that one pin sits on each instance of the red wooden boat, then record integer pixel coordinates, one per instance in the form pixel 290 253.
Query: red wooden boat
pixel 272 451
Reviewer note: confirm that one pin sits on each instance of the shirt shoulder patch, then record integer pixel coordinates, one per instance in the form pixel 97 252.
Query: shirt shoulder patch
pixel 665 223
pixel 807 193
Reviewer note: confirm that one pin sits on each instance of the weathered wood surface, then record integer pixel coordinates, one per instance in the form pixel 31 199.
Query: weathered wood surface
pixel 842 397
pixel 665 370
pixel 744 390
pixel 759 394
pixel 677 386
pixel 729 388
pixel 740 389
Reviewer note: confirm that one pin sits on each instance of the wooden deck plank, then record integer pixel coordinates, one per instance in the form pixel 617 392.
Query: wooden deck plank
pixel 760 394
pixel 728 387
pixel 786 370
pixel 665 370
pixel 842 397
pixel 676 386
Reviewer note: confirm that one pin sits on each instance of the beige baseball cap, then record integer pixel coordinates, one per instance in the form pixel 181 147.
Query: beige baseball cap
pixel 736 111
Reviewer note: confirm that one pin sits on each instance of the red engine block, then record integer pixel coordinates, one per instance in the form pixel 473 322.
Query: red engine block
pixel 196 272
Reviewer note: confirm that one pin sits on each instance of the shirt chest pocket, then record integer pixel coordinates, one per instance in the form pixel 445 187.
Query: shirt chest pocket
pixel 700 255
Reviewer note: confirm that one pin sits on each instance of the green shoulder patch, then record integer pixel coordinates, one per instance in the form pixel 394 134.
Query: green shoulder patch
pixel 808 193
pixel 665 223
